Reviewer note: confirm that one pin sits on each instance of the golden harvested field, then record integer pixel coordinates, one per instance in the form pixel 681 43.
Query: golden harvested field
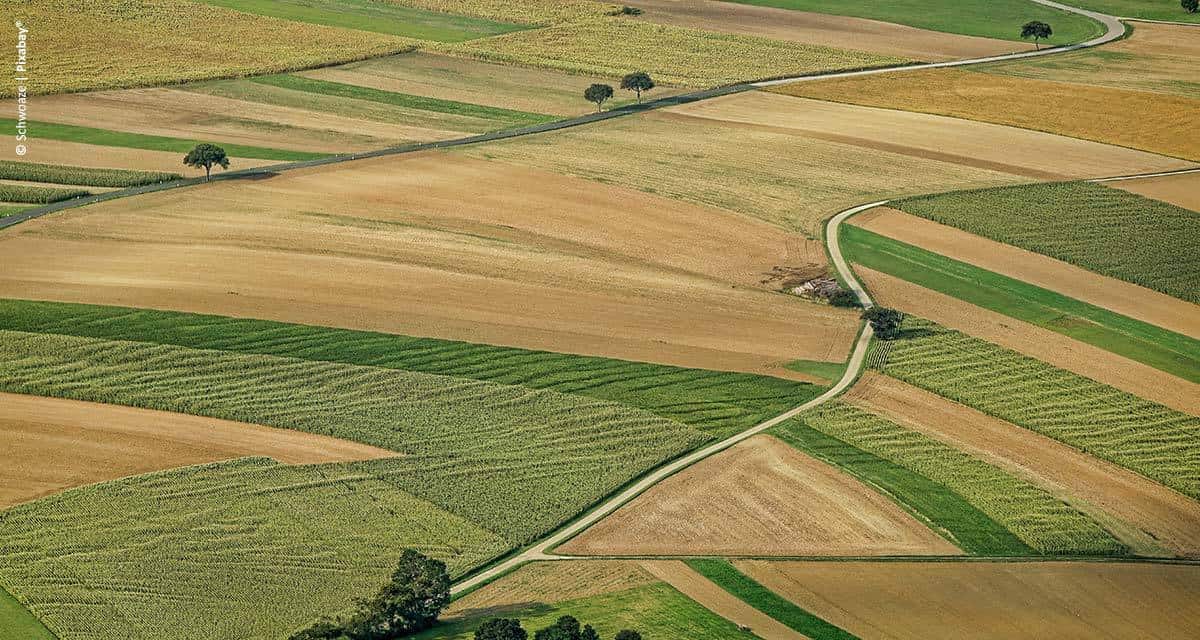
pixel 441 245
pixel 103 45
pixel 1072 281
pixel 1135 119
pixel 786 176
pixel 1157 57
pixel 992 600
pixel 1150 518
pixel 52 444
pixel 1051 347
pixel 883 38
pixel 1181 190
pixel 526 12
pixel 674 55
pixel 90 155
pixel 761 497
pixel 550 583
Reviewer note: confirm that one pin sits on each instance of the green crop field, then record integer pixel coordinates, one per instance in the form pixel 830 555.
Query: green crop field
pixel 107 138
pixel 1109 231
pixel 7 209
pixel 1148 9
pixel 717 402
pixel 38 195
pixel 987 18
pixel 1162 349
pixel 944 510
pixel 1160 443
pixel 378 17
pixel 754 594
pixel 85 176
pixel 15 618
pixel 1042 521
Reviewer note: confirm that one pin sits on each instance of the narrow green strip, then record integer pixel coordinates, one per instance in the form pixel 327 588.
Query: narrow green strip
pixel 86 176
pixel 18 622
pixel 38 195
pixel 726 576
pixel 1154 346
pixel 107 138
pixel 968 527
pixel 423 103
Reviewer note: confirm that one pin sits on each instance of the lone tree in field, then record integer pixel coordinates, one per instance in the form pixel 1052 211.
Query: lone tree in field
pixel 1036 30
pixel 627 635
pixel 501 629
pixel 206 155
pixel 598 93
pixel 1190 5
pixel 637 82
pixel 885 322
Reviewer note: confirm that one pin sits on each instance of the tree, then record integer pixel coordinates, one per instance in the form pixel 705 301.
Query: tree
pixel 844 298
pixel 627 634
pixel 589 633
pixel 565 628
pixel 1037 31
pixel 501 629
pixel 598 93
pixel 1190 5
pixel 638 82
pixel 206 155
pixel 885 322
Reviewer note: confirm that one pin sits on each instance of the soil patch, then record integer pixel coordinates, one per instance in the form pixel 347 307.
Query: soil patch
pixel 1180 190
pixel 549 583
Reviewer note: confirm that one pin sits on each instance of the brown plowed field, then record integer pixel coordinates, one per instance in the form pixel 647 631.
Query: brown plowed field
pixel 842 32
pixel 1115 295
pixel 445 246
pixel 1182 190
pixel 1045 345
pixel 761 497
pixel 89 155
pixel 548 583
pixel 1152 517
pixel 992 600
pixel 52 444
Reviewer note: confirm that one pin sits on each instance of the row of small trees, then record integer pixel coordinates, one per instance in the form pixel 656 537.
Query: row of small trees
pixel 565 628
pixel 637 82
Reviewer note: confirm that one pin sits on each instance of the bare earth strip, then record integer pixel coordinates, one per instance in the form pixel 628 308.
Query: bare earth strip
pixel 817 28
pixel 1151 516
pixel 549 583
pixel 992 600
pixel 90 155
pixel 52 444
pixel 446 246
pixel 1045 345
pixel 761 497
pixel 1182 190
pixel 1035 154
pixel 1072 281
pixel 695 586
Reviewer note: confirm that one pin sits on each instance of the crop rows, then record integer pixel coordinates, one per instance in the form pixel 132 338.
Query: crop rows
pixel 1157 442
pixel 1109 231
pixel 1044 522
pixel 537 12
pixel 37 195
pixel 86 176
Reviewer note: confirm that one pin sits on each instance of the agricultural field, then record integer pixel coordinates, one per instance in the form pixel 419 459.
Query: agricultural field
pixel 1181 190
pixel 1169 11
pixel 990 600
pixel 1109 231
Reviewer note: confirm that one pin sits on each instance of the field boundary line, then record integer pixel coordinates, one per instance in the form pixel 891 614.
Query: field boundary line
pixel 1145 176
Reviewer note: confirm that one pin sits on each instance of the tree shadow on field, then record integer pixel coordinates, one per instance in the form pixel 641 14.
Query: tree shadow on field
pixel 915 332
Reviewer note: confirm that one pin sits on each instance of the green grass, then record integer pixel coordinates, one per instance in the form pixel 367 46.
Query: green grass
pixel 18 622
pixel 9 209
pixel 1042 521
pixel 107 138
pixel 831 371
pixel 86 176
pixel 947 512
pixel 657 610
pixel 719 403
pixel 1158 442
pixel 1149 9
pixel 1000 19
pixel 1109 231
pixel 727 577
pixel 377 17
pixel 502 117
pixel 1162 349
pixel 38 195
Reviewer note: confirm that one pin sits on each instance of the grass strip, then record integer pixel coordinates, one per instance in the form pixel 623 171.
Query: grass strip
pixel 746 589
pixel 107 138
pixel 86 176
pixel 38 195
pixel 342 90
pixel 948 513
pixel 9 209
pixel 1154 346
pixel 18 622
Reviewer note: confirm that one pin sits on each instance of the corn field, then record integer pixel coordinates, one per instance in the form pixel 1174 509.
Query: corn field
pixel 85 176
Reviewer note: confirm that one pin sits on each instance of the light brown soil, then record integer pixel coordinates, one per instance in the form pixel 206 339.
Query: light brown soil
pixel 1181 190
pixel 52 444
pixel 761 497
pixel 988 146
pixel 1115 295
pixel 695 586
pixel 992 600
pixel 1151 516
pixel 445 246
pixel 548 583
pixel 55 185
pixel 88 155
pixel 817 28
pixel 1045 345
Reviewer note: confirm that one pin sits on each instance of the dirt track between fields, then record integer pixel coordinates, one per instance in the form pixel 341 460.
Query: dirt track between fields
pixel 52 444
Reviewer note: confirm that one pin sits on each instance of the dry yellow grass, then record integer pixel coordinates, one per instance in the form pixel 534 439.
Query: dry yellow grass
pixel 525 12
pixel 106 44
pixel 1136 119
